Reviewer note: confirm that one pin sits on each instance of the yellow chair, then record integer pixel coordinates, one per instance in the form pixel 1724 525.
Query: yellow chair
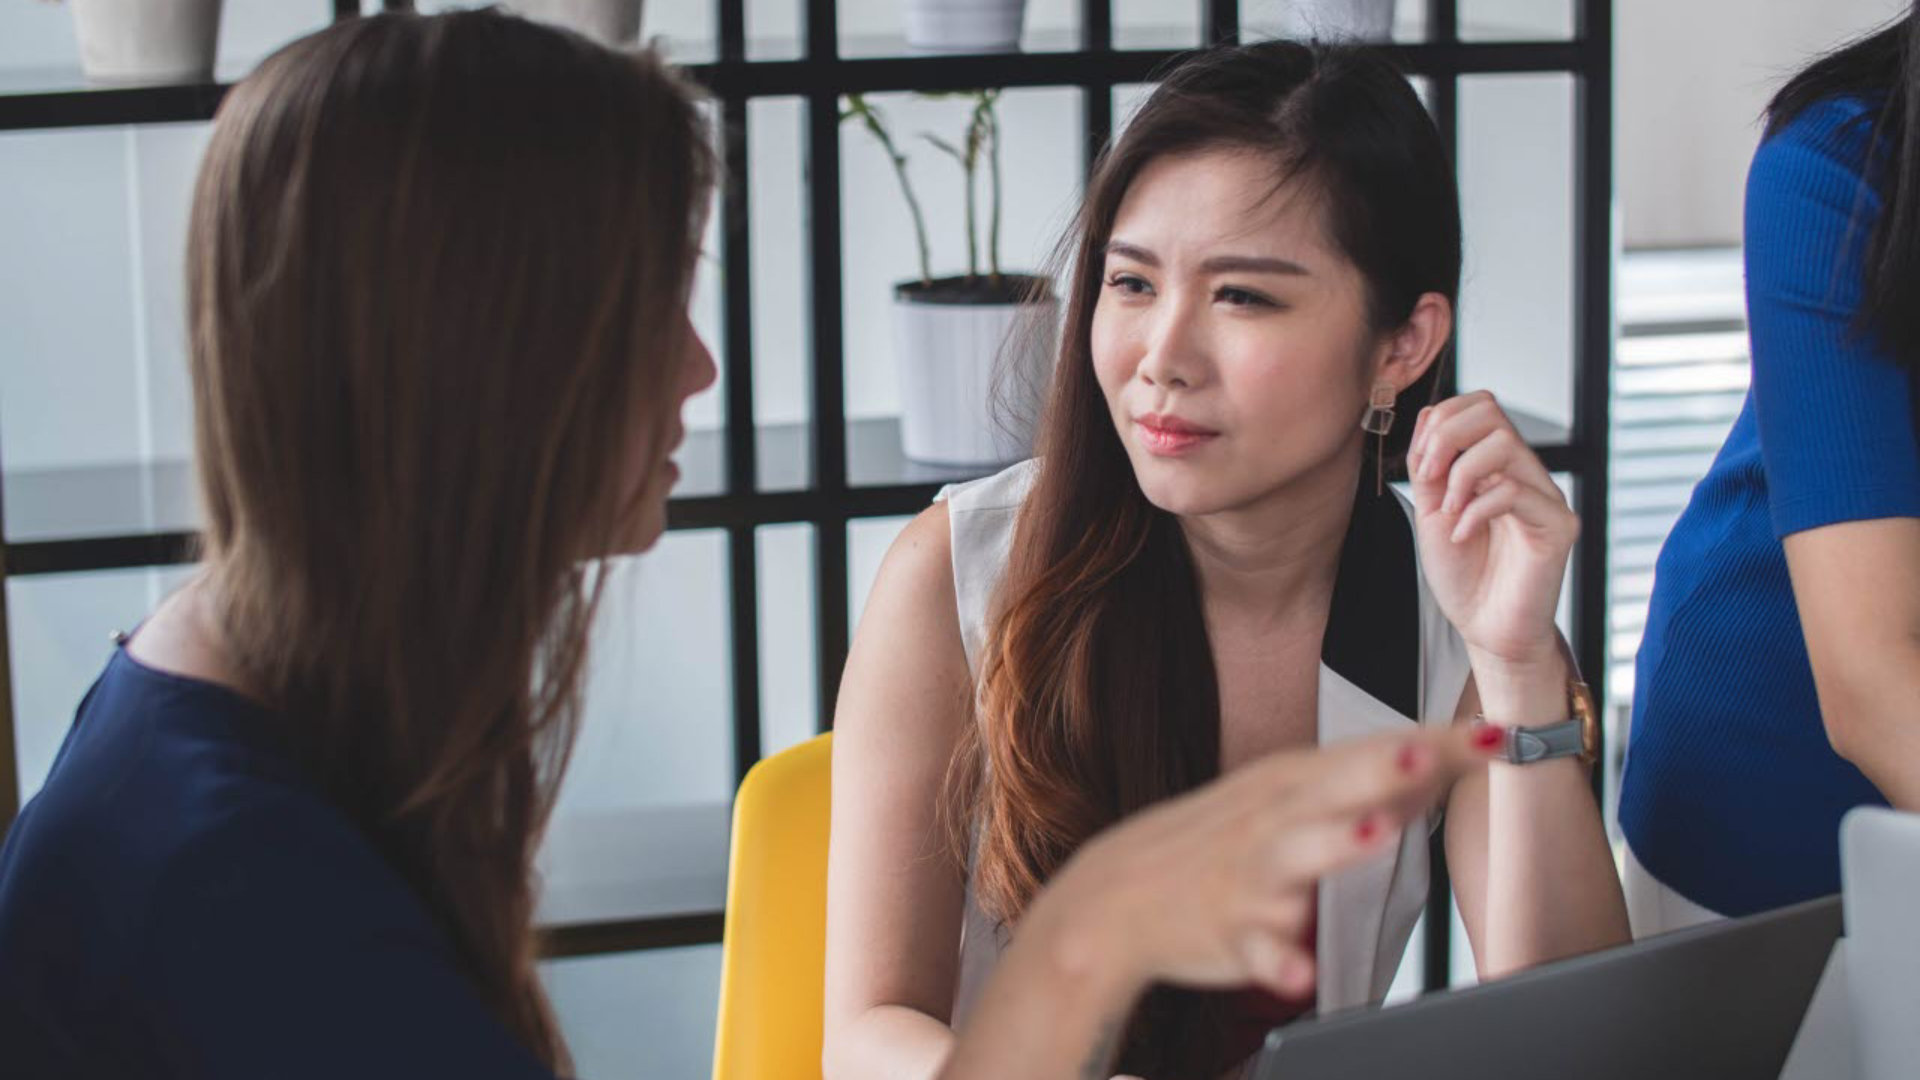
pixel 773 969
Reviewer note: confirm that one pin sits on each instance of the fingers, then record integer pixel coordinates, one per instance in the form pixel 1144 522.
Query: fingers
pixel 1300 852
pixel 1447 432
pixel 1547 514
pixel 1349 778
pixel 1331 808
pixel 1278 963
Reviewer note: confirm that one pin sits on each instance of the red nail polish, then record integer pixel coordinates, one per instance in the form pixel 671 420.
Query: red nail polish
pixel 1409 758
pixel 1489 737
pixel 1367 829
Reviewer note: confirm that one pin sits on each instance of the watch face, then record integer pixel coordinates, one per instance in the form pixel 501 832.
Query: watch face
pixel 1583 710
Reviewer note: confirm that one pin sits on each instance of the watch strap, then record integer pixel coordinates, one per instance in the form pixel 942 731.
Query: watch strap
pixel 1528 745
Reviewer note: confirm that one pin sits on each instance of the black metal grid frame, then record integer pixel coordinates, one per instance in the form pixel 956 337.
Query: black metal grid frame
pixel 821 77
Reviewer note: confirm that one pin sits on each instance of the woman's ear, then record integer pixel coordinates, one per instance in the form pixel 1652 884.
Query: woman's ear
pixel 1413 348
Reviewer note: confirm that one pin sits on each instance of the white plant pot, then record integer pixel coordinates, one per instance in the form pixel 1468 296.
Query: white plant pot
pixel 965 25
pixel 147 41
pixel 972 377
pixel 1339 20
pixel 610 22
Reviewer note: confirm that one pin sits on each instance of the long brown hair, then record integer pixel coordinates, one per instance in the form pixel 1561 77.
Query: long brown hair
pixel 437 268
pixel 1097 692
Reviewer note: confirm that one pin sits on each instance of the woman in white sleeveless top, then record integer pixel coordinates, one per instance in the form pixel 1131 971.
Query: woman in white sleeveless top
pixel 1200 576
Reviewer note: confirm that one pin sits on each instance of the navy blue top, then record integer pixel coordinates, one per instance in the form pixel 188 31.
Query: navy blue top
pixel 1732 795
pixel 179 902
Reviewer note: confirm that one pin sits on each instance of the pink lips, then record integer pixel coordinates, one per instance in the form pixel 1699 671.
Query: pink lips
pixel 1170 436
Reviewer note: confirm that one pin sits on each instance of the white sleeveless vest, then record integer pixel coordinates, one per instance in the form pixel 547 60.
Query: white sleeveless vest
pixel 1386 639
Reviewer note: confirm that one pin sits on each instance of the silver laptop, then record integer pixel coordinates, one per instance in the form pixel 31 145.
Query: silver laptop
pixel 1720 1000
pixel 1880 876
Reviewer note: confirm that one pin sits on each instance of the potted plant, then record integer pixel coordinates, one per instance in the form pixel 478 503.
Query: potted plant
pixel 147 41
pixel 1334 20
pixel 610 22
pixel 965 25
pixel 972 348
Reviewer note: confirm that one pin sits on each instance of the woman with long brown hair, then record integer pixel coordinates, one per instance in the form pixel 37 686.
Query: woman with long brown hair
pixel 1198 570
pixel 438 278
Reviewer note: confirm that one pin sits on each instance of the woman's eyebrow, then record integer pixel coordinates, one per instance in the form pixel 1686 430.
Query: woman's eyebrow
pixel 1217 264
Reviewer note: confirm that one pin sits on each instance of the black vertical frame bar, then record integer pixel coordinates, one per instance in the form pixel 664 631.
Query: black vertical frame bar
pixel 1593 343
pixel 1443 98
pixel 829 382
pixel 743 578
pixel 1219 22
pixel 345 9
pixel 1443 90
pixel 1096 25
pixel 9 760
pixel 743 563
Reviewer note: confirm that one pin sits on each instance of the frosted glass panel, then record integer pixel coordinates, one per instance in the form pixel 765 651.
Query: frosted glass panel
pixel 68 335
pixel 39 36
pixel 638 1014
pixel 1516 20
pixel 60 629
pixel 782 358
pixel 777 128
pixel 1516 193
pixel 789 678
pixel 641 824
pixel 95 409
pixel 658 722
pixel 1155 24
pixel 867 544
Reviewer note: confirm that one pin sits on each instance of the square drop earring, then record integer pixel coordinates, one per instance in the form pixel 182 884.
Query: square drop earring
pixel 1379 422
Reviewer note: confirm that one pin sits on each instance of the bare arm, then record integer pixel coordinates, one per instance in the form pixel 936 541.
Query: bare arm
pixel 1531 867
pixel 894 893
pixel 1857 585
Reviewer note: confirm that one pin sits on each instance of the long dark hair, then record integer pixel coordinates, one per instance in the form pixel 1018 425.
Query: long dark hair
pixel 437 273
pixel 1097 691
pixel 1883 68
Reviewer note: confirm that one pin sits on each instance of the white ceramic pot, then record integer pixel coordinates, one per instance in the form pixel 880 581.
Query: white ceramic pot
pixel 147 41
pixel 610 22
pixel 965 25
pixel 1339 20
pixel 972 378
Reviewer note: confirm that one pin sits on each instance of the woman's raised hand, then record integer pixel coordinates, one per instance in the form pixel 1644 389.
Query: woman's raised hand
pixel 1495 530
pixel 1215 888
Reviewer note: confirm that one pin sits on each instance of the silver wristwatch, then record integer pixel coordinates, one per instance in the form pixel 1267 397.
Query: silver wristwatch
pixel 1578 736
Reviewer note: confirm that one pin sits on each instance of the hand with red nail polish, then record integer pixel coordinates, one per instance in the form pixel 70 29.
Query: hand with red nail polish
pixel 1255 845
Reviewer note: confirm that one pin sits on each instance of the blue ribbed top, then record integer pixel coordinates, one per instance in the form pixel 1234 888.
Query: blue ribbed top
pixel 1732 795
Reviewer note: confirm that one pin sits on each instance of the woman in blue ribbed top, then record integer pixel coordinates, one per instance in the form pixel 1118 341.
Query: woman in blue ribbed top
pixel 1779 678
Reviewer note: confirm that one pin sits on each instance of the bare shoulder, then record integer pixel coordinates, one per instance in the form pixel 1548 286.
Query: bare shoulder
pixel 907 658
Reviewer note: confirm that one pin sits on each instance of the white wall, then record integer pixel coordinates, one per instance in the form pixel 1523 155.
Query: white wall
pixel 1692 79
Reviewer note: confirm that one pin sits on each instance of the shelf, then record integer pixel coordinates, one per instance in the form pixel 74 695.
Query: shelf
pixel 650 877
pixel 642 863
pixel 63 98
pixel 124 516
pixel 784 460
